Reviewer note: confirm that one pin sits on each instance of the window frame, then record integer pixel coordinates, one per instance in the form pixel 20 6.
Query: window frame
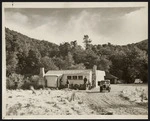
pixel 69 78
pixel 80 78
pixel 74 78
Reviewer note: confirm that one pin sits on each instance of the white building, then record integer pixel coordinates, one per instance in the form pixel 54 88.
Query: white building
pixel 57 78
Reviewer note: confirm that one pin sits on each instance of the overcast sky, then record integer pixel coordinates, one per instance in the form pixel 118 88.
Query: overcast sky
pixel 119 26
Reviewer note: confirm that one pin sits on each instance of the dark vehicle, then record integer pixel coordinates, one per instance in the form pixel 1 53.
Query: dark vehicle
pixel 104 85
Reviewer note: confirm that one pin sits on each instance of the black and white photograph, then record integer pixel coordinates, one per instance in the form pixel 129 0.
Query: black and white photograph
pixel 75 60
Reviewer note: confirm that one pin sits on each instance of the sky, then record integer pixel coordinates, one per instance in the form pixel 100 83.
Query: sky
pixel 116 25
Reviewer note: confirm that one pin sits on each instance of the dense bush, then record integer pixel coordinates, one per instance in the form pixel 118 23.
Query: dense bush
pixel 14 81
pixel 17 81
pixel 26 84
pixel 62 86
pixel 76 86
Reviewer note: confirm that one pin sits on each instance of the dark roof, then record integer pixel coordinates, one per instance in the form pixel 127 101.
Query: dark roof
pixel 110 76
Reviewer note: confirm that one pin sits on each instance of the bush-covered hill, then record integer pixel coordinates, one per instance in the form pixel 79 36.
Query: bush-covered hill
pixel 26 55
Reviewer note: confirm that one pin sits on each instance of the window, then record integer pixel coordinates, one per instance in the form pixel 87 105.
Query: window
pixel 68 77
pixel 74 77
pixel 80 77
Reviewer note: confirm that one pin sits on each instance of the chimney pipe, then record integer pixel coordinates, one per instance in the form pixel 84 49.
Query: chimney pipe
pixel 94 68
pixel 94 75
pixel 42 73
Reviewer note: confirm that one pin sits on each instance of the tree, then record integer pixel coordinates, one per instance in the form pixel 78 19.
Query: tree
pixel 90 59
pixel 26 55
pixel 78 53
pixel 21 65
pixel 12 47
pixel 59 62
pixel 64 49
pixel 48 64
pixel 33 62
pixel 103 64
pixel 73 44
pixel 78 66
pixel 119 64
pixel 11 63
pixel 69 62
pixel 138 67
pixel 87 42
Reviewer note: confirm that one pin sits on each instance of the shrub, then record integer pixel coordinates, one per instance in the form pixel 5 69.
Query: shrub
pixel 32 81
pixel 82 86
pixel 9 83
pixel 26 84
pixel 17 81
pixel 14 81
pixel 62 86
pixel 35 82
pixel 76 86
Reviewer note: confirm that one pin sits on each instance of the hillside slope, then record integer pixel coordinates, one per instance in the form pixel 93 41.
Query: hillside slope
pixel 127 62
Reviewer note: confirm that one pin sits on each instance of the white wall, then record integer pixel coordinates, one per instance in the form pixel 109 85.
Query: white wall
pixel 51 81
pixel 72 81
pixel 99 76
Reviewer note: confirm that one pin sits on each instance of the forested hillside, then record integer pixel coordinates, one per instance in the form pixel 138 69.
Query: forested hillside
pixel 26 55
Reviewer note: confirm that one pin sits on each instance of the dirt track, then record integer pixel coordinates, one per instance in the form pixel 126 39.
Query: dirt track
pixel 111 103
pixel 59 102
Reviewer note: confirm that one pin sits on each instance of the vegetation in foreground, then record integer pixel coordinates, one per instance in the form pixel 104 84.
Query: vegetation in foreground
pixel 78 102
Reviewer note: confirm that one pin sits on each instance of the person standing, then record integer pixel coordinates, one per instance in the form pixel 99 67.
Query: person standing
pixel 85 82
pixel 89 85
pixel 60 83
pixel 16 84
pixel 68 83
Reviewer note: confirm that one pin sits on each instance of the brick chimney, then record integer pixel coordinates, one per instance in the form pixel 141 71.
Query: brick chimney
pixel 41 75
pixel 94 75
pixel 94 68
pixel 42 72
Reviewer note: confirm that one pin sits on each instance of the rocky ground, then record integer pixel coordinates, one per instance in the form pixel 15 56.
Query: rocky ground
pixel 121 100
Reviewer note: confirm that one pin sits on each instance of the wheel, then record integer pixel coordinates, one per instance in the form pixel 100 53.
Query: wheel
pixel 101 89
pixel 109 89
